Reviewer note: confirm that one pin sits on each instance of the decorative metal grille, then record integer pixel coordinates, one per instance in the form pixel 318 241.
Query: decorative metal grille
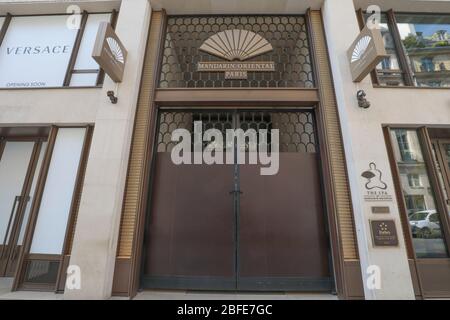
pixel 287 34
pixel 296 128
pixel 172 120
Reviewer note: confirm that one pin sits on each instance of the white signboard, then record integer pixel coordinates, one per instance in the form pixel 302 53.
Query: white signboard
pixel 35 52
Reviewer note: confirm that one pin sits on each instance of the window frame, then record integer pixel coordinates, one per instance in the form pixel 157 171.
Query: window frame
pixel 405 68
pixel 25 256
pixel 426 147
pixel 423 270
pixel 70 71
pixel 414 181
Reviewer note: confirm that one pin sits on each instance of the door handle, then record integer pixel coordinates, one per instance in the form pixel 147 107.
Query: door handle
pixel 236 192
pixel 11 217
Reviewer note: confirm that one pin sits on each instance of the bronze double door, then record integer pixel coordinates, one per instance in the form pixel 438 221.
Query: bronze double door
pixel 19 166
pixel 226 226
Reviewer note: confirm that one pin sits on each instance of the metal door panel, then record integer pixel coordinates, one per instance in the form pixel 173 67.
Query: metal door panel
pixel 190 239
pixel 227 227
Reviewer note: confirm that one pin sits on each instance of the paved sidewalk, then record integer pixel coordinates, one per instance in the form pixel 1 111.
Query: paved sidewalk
pixel 5 285
pixel 190 295
pixel 6 294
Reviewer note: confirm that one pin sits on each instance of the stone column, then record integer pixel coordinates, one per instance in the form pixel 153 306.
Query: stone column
pixel 364 143
pixel 97 229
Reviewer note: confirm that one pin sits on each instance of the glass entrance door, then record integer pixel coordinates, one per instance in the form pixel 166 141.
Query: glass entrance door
pixel 227 226
pixel 19 163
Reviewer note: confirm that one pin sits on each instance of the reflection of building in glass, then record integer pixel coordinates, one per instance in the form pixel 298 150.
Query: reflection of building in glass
pixel 413 173
pixel 388 70
pixel 428 50
pixel 423 216
pixel 416 187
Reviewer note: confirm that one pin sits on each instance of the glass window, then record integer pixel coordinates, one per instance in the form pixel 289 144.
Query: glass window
pixel 41 272
pixel 424 221
pixel 426 39
pixel 83 79
pixel 441 158
pixel 418 216
pixel 51 225
pixel 84 61
pixel 415 202
pixel 35 52
pixel 32 194
pixel 407 146
pixel 414 180
pixel 13 169
pixel 434 218
pixel 388 70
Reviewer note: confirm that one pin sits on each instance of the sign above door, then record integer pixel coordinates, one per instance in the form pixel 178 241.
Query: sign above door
pixel 236 46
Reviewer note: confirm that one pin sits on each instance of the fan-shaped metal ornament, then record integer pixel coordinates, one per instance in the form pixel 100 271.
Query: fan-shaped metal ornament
pixel 116 50
pixel 109 52
pixel 360 48
pixel 366 52
pixel 236 45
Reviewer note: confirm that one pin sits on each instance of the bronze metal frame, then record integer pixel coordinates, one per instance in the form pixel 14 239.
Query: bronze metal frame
pixel 127 272
pixel 2 146
pixel 4 27
pixel 16 223
pixel 235 96
pixel 337 261
pixel 347 272
pixel 136 262
pixel 442 162
pixel 403 59
pixel 287 283
pixel 74 207
pixel 419 282
pixel 76 49
pixel 33 214
pixel 435 185
pixel 25 257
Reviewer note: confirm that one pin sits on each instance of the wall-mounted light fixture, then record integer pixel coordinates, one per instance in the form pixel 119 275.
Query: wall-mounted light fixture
pixel 362 101
pixel 112 97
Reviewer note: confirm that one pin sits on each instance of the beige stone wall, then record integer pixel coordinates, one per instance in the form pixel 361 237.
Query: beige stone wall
pixel 96 233
pixel 364 143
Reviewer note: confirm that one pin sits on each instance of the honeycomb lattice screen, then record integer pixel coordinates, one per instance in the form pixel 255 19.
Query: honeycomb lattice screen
pixel 296 128
pixel 288 36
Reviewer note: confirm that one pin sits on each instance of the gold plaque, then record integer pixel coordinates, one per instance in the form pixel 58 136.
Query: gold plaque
pixel 384 233
pixel 236 46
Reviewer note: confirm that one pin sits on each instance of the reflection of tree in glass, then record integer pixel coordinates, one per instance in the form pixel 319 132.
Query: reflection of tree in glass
pixel 412 41
pixel 441 44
